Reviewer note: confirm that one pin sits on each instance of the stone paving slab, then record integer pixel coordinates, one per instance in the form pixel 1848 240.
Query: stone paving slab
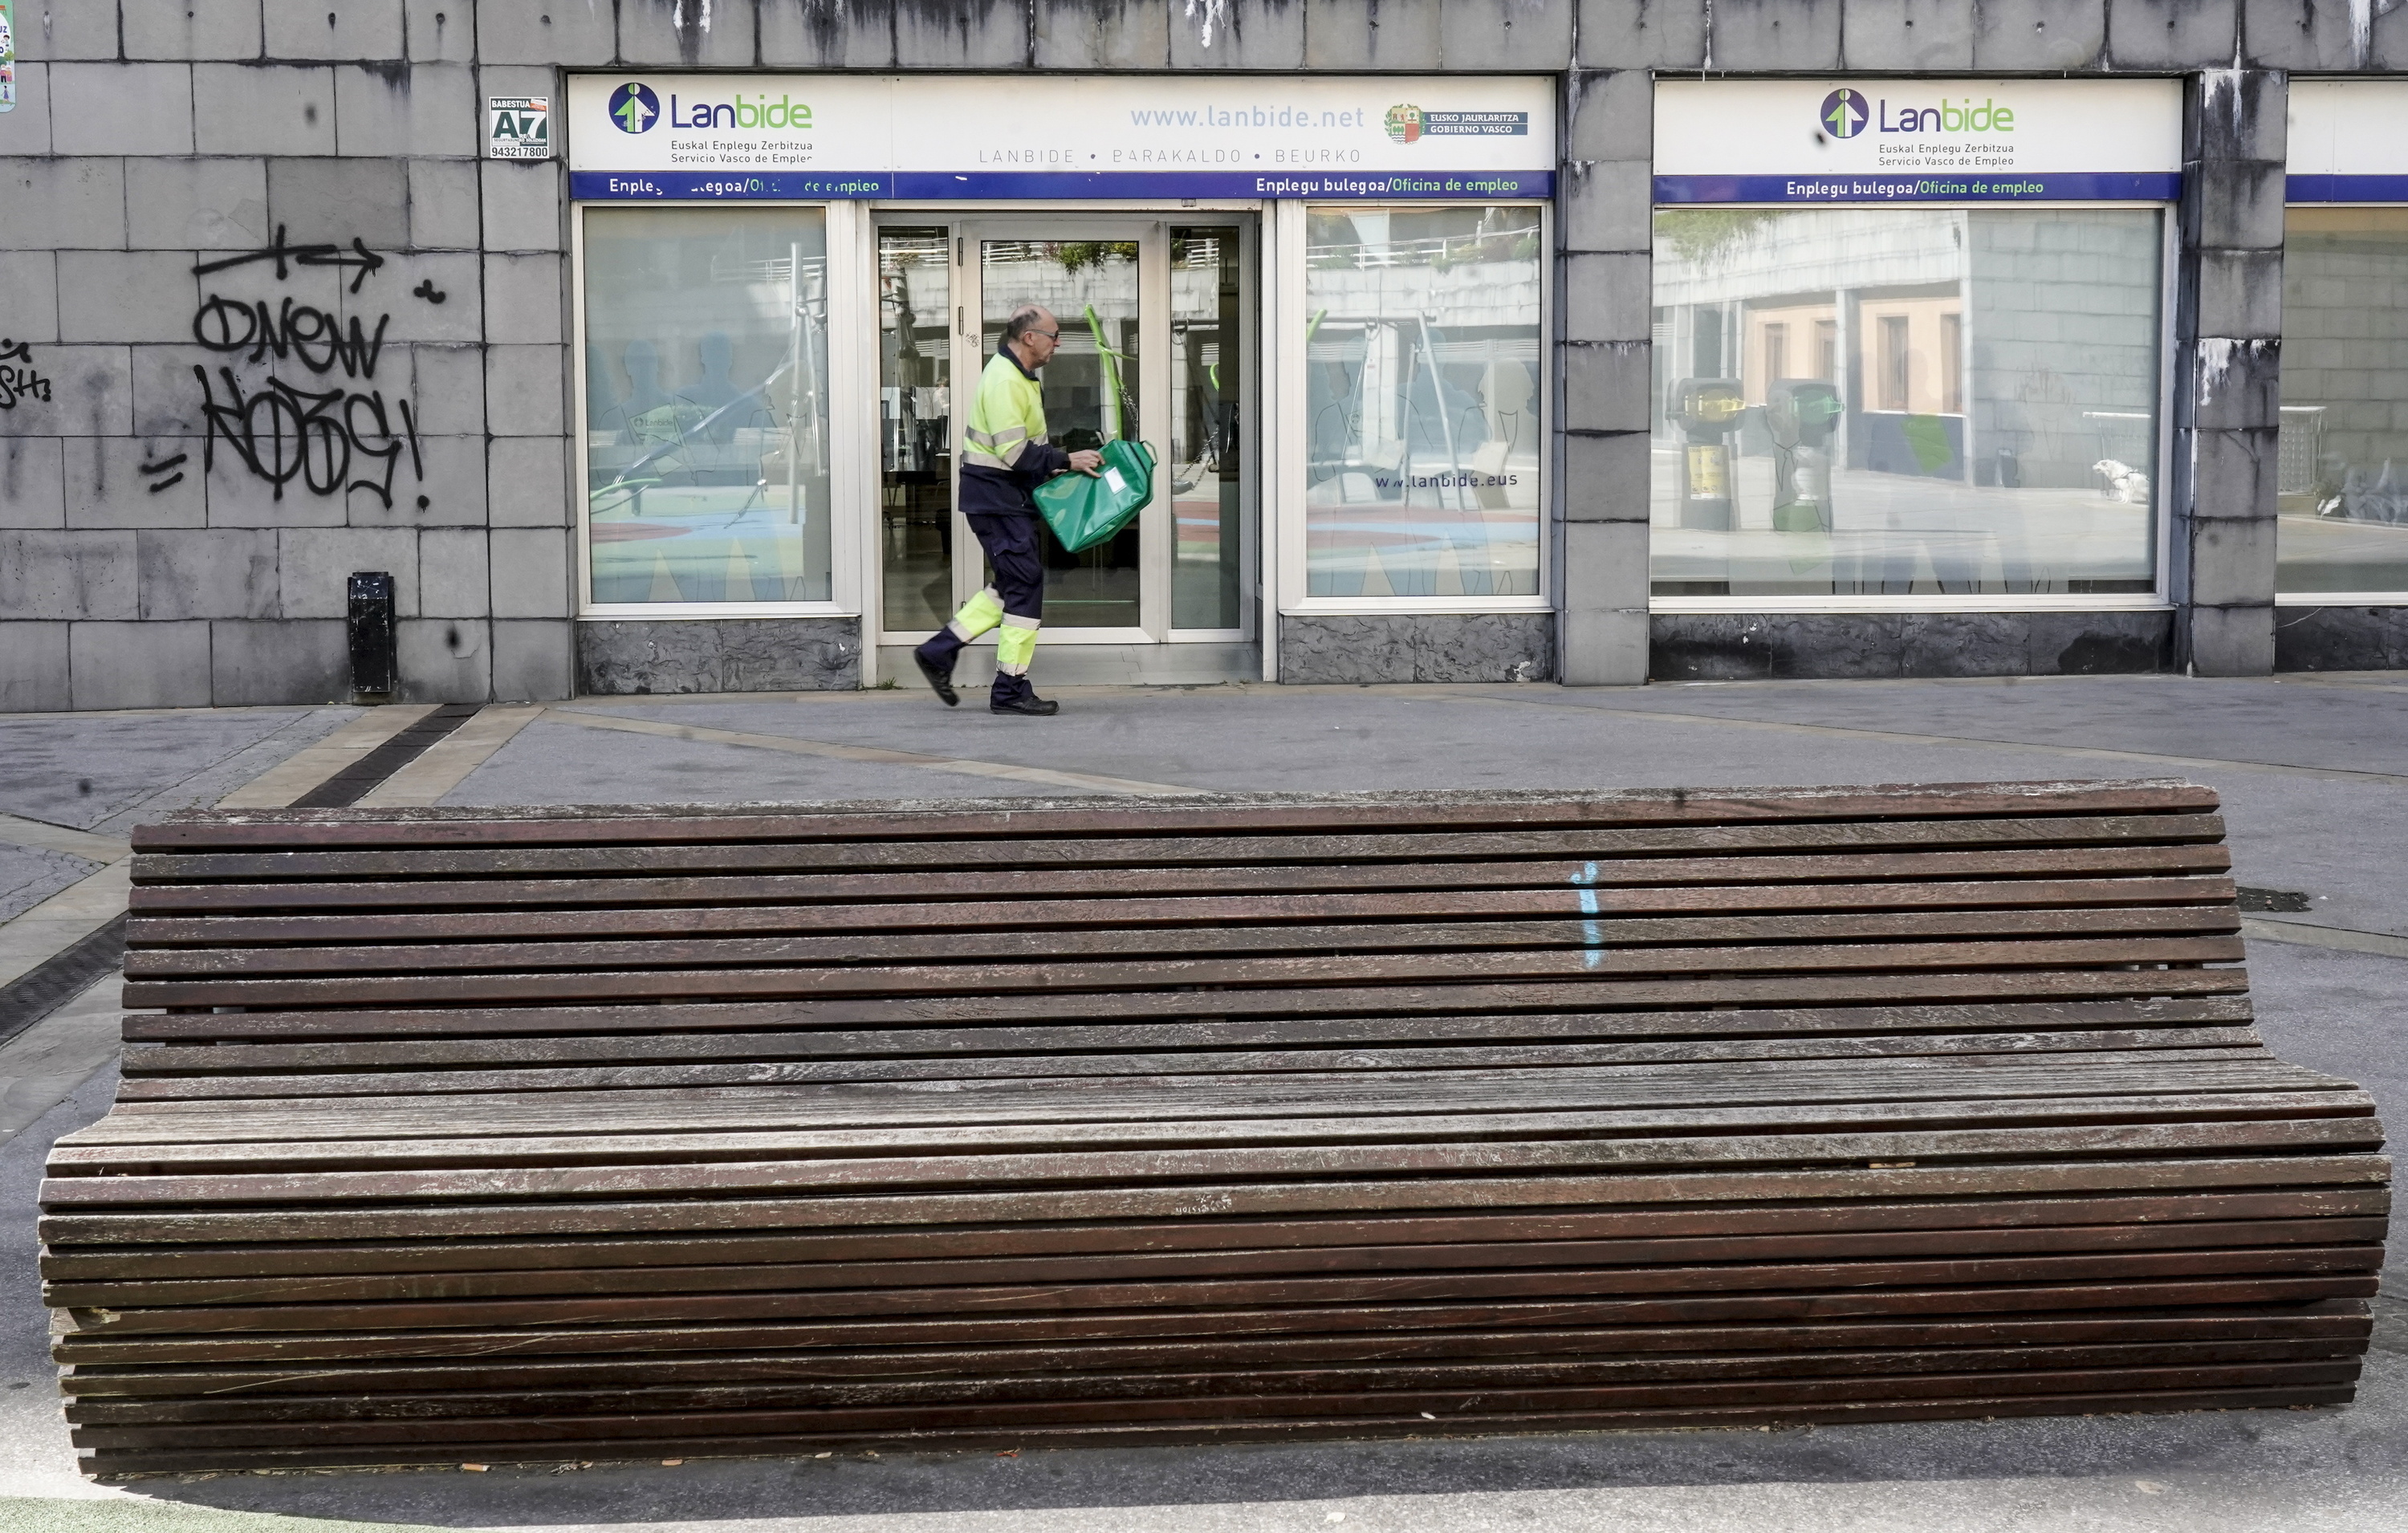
pixel 30 875
pixel 102 771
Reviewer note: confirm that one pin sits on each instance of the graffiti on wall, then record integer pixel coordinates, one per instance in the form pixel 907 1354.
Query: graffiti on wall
pixel 317 422
pixel 19 378
pixel 365 262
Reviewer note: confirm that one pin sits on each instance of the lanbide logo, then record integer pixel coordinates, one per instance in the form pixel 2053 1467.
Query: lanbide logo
pixel 633 108
pixel 1844 113
pixel 1948 117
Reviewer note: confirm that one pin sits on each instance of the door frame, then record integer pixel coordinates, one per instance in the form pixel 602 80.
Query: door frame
pixel 1151 234
pixel 1150 228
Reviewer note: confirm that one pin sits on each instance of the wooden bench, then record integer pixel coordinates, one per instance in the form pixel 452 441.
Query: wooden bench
pixel 508 1135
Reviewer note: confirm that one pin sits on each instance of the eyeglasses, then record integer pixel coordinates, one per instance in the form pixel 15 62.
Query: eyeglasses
pixel 1048 335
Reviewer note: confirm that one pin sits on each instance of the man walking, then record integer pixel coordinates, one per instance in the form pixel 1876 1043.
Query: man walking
pixel 1004 456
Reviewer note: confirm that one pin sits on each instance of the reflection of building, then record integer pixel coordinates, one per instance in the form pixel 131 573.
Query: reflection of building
pixel 1995 378
pixel 1968 344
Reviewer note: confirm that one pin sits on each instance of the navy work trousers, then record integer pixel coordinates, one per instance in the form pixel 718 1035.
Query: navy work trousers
pixel 1015 546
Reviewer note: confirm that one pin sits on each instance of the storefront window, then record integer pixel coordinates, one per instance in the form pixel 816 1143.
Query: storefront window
pixel 1421 398
pixel 2341 479
pixel 706 405
pixel 1905 402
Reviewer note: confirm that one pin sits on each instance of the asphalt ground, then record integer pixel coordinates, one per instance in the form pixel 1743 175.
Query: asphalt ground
pixel 2315 776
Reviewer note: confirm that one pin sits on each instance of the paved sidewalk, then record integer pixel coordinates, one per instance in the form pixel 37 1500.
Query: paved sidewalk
pixel 2315 776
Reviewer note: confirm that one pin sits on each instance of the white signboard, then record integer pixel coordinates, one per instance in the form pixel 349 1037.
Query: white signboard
pixel 1058 136
pixel 518 128
pixel 2348 141
pixel 1917 140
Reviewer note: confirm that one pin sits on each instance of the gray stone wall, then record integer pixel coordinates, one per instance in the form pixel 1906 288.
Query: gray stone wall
pixel 2342 638
pixel 1371 648
pixel 2227 379
pixel 1713 647
pixel 157 137
pixel 752 654
pixel 290 328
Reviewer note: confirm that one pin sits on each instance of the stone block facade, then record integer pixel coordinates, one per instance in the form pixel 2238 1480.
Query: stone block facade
pixel 250 255
pixel 291 326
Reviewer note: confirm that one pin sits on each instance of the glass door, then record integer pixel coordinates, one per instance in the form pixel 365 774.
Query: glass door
pixel 1153 319
pixel 1212 548
pixel 1095 390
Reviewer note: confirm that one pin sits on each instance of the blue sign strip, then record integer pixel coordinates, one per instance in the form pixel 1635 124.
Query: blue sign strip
pixel 2346 188
pixel 2058 186
pixel 1016 185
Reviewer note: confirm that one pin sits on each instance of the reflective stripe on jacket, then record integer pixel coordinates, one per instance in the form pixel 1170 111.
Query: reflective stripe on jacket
pixel 1004 451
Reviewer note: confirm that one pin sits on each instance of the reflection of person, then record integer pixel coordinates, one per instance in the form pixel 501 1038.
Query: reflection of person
pixel 601 401
pixel 1004 456
pixel 645 399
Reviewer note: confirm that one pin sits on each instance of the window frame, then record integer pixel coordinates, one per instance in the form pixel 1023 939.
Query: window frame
pixel 1285 492
pixel 846 489
pixel 2158 599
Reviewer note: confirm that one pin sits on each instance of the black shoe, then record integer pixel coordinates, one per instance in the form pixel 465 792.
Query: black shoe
pixel 1024 700
pixel 939 677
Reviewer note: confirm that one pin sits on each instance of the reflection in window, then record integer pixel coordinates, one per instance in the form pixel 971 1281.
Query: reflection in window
pixel 1422 401
pixel 706 405
pixel 2342 479
pixel 915 370
pixel 1208 380
pixel 1978 414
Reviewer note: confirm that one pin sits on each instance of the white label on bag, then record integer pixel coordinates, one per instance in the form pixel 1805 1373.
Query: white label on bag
pixel 1113 478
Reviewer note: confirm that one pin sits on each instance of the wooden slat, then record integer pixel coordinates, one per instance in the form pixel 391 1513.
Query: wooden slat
pixel 2305 1176
pixel 1237 813
pixel 2337 1327
pixel 1728 840
pixel 1458 938
pixel 502 921
pixel 1270 1017
pixel 2183 859
pixel 1401 1423
pixel 218 1082
pixel 588 1273
pixel 67 1263
pixel 2184 1306
pixel 1517 1379
pixel 1051 978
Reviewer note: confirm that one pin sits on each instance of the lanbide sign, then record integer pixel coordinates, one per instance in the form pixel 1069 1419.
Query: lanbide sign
pixel 711 137
pixel 1805 141
pixel 2348 141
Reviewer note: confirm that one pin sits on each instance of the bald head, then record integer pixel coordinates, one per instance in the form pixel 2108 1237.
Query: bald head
pixel 1032 333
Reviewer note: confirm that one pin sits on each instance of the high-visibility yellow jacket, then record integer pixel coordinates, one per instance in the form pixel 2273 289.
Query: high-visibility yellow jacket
pixel 1004 451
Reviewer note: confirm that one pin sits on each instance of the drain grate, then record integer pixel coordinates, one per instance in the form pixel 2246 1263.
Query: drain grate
pixel 355 782
pixel 60 979
pixel 2276 901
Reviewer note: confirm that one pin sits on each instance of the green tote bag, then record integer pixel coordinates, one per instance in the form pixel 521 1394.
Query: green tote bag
pixel 1085 511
